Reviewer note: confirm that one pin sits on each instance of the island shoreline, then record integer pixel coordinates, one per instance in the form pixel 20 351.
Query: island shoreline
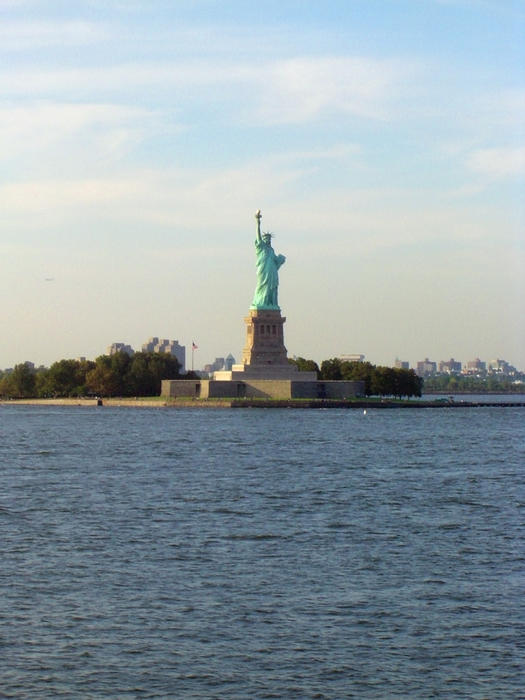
pixel 161 402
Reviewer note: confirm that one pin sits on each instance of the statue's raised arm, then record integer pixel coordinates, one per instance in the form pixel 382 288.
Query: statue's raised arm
pixel 268 264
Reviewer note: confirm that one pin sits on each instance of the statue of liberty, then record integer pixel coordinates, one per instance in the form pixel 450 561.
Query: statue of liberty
pixel 268 264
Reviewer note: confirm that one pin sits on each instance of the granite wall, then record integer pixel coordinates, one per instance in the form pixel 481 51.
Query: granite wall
pixel 261 388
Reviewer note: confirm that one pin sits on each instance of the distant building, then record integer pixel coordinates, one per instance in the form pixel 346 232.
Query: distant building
pixel 351 358
pixel 475 367
pixel 229 362
pixel 401 364
pixel 119 347
pixel 501 367
pixel 171 347
pixel 425 368
pixel 216 365
pixel 449 366
pixel 220 364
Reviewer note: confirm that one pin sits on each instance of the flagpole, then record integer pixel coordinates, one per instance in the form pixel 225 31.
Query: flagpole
pixel 193 348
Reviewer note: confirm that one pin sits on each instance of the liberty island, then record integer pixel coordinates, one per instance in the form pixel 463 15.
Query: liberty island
pixel 265 371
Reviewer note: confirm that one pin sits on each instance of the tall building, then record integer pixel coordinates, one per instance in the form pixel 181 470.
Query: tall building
pixel 401 364
pixel 119 347
pixel 229 362
pixel 171 347
pixel 501 367
pixel 475 367
pixel 425 368
pixel 449 366
pixel 220 364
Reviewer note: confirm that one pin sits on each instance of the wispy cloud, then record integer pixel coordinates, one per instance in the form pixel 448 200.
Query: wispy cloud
pixel 302 89
pixel 339 151
pixel 502 108
pixel 498 162
pixel 189 203
pixel 64 130
pixel 183 200
pixel 16 35
pixel 275 92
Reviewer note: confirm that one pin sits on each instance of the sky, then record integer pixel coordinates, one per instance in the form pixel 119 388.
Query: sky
pixel 383 140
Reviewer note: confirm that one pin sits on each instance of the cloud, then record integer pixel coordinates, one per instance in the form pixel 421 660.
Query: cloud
pixel 20 36
pixel 498 162
pixel 502 108
pixel 61 130
pixel 301 89
pixel 180 200
pixel 50 81
pixel 274 92
pixel 337 152
pixel 38 196
pixel 179 207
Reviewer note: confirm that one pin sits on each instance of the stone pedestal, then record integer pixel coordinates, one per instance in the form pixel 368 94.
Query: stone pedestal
pixel 264 357
pixel 264 339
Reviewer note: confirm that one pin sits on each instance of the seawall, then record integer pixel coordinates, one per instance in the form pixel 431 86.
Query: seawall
pixel 262 403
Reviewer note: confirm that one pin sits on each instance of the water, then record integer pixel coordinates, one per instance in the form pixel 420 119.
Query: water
pixel 481 398
pixel 170 553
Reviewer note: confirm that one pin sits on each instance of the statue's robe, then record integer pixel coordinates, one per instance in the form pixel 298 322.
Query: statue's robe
pixel 268 264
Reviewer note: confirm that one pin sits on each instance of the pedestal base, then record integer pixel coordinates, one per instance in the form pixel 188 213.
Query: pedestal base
pixel 261 388
pixel 247 373
pixel 264 339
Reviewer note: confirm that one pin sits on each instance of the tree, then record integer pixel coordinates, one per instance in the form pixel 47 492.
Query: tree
pixel 305 365
pixel 159 366
pixel 358 371
pixel 383 381
pixel 331 369
pixel 103 379
pixel 5 384
pixel 120 364
pixel 139 375
pixel 64 378
pixel 21 381
pixel 412 384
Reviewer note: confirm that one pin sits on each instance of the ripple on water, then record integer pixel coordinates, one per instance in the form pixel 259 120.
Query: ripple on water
pixel 263 553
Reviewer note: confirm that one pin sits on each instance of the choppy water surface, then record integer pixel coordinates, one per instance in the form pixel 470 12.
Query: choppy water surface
pixel 161 553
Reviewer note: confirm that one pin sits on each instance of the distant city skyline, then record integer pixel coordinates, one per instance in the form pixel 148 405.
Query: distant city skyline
pixel 173 347
pixel 383 142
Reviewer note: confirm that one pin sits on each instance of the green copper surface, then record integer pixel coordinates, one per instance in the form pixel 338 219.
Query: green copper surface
pixel 268 264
